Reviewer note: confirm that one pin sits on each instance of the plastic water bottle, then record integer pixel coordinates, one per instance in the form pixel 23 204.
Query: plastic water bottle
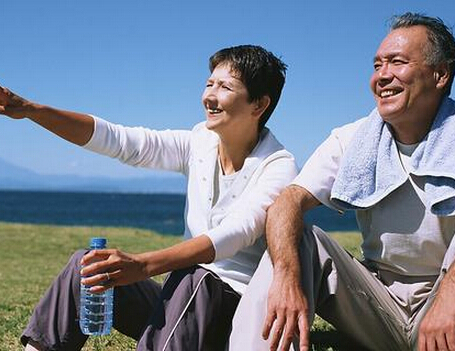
pixel 96 309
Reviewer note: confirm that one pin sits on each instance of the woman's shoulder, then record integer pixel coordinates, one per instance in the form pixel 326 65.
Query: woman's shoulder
pixel 201 137
pixel 200 130
pixel 270 146
pixel 199 127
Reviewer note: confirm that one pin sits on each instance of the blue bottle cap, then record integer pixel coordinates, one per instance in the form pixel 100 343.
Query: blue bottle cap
pixel 98 242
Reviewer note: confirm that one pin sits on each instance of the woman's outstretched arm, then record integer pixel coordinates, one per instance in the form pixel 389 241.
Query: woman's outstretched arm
pixel 72 126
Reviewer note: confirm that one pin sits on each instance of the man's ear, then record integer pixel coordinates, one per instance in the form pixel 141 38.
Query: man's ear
pixel 442 75
pixel 261 105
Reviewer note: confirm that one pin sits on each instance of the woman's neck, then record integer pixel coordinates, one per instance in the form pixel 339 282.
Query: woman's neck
pixel 233 152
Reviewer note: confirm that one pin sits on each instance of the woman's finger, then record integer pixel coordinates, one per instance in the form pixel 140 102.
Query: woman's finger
pixel 95 255
pixel 103 278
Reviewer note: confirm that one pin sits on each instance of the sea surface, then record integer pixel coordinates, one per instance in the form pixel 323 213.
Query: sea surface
pixel 160 212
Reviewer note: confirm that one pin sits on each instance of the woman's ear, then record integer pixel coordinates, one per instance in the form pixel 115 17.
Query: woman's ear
pixel 261 105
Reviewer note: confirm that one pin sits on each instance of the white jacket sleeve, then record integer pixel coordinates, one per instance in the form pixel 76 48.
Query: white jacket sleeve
pixel 142 147
pixel 246 222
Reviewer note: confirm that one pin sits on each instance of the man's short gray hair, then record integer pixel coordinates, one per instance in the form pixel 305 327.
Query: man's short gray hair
pixel 441 47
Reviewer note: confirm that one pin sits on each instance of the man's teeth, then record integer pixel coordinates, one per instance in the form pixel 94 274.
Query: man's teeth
pixel 387 93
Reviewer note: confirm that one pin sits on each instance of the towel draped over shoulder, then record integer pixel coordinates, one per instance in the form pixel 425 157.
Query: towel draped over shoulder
pixel 371 168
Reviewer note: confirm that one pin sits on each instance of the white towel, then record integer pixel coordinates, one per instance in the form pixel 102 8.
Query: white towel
pixel 371 168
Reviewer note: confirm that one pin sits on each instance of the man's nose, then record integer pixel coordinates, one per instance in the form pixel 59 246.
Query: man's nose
pixel 384 72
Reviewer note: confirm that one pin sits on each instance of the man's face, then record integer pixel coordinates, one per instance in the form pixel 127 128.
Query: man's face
pixel 403 84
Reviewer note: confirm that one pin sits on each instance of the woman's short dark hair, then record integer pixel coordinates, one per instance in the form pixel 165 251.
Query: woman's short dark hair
pixel 441 48
pixel 261 72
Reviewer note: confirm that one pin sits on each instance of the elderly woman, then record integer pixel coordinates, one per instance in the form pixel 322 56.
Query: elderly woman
pixel 235 169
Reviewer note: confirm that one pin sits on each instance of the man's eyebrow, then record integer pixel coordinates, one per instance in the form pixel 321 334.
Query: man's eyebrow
pixel 388 56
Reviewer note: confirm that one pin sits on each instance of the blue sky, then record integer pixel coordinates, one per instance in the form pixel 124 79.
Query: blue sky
pixel 146 62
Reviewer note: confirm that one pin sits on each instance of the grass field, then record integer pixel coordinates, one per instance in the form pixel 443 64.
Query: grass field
pixel 31 256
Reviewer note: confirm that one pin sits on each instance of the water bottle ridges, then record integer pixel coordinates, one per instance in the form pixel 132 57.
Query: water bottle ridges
pixel 96 310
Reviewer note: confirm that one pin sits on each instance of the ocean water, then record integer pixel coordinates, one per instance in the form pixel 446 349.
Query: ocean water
pixel 163 213
pixel 160 212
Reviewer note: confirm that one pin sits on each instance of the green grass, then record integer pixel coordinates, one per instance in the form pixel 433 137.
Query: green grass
pixel 32 255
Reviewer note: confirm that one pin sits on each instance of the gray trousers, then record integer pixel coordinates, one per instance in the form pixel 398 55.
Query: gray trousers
pixel 342 291
pixel 191 311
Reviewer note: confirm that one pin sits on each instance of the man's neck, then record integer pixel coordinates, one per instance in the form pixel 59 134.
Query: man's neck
pixel 413 130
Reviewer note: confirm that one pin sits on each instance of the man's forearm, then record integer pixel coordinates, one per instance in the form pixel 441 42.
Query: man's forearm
pixel 287 306
pixel 284 227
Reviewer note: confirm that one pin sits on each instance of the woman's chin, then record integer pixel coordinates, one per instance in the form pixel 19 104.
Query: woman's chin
pixel 212 124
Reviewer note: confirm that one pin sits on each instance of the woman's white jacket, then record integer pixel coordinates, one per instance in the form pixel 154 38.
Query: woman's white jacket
pixel 236 223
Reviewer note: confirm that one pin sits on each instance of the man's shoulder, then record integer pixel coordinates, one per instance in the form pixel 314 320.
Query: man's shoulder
pixel 349 127
pixel 345 132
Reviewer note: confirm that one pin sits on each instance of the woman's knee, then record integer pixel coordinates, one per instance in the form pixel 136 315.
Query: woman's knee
pixel 75 259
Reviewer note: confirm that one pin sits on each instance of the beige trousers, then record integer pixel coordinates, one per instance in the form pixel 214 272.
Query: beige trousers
pixel 342 291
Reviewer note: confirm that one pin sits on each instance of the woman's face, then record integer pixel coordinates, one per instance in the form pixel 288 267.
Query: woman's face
pixel 226 102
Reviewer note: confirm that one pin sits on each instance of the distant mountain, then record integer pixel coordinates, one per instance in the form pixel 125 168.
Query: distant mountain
pixel 8 170
pixel 13 177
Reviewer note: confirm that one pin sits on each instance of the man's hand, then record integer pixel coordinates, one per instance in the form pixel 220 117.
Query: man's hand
pixel 287 313
pixel 437 330
pixel 13 105
pixel 287 306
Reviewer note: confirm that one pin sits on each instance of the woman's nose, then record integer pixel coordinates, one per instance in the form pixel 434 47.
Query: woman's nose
pixel 209 96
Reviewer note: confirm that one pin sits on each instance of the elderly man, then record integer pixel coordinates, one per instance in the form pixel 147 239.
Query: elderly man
pixel 396 169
